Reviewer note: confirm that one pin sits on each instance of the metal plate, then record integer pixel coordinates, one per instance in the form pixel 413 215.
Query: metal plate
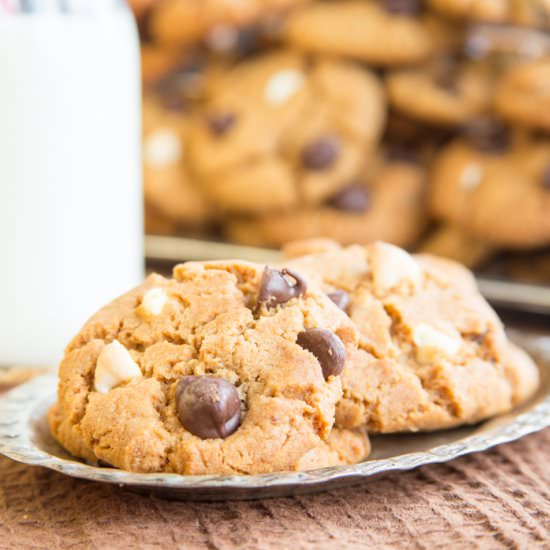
pixel 24 436
pixel 504 293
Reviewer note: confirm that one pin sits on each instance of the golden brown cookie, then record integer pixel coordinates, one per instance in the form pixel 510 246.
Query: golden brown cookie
pixel 496 11
pixel 522 95
pixel 442 92
pixel 281 131
pixel 455 244
pixel 385 33
pixel 495 188
pixel 386 204
pixel 432 353
pixel 187 22
pixel 228 368
pixel 168 187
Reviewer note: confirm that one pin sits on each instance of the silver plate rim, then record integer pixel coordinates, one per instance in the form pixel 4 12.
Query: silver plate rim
pixel 18 408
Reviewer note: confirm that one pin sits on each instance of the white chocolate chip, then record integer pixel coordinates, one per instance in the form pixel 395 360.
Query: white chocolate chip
pixel 392 266
pixel 471 177
pixel 162 148
pixel 153 301
pixel 282 85
pixel 431 343
pixel 114 366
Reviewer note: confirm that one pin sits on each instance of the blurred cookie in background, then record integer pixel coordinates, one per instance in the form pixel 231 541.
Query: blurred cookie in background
pixel 222 25
pixel 383 33
pixel 387 204
pixel 171 196
pixel 282 130
pixel 522 94
pixel 455 244
pixel 445 91
pixel 495 185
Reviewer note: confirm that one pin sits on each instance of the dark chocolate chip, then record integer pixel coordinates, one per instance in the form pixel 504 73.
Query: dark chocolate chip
pixel 276 289
pixel 340 298
pixel 220 123
pixel 545 178
pixel 403 7
pixel 354 198
pixel 488 136
pixel 400 152
pixel 321 153
pixel 327 347
pixel 447 80
pixel 207 406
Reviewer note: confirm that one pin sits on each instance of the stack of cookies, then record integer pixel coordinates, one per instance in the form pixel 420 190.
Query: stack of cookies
pixel 231 367
pixel 424 123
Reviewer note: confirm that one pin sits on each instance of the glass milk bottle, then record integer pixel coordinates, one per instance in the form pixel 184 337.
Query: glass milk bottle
pixel 70 182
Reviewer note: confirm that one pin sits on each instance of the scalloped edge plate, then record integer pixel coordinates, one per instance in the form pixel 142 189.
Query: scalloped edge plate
pixel 24 437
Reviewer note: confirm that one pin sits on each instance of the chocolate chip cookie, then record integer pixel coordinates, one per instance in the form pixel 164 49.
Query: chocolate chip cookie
pixel 183 23
pixel 432 353
pixel 168 187
pixel 228 368
pixel 522 95
pixel 444 91
pixel 496 188
pixel 281 131
pixel 386 203
pixel 383 33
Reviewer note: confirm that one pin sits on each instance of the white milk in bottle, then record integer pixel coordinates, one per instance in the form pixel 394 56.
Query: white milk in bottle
pixel 70 182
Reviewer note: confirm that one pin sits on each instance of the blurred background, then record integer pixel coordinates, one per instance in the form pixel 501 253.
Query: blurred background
pixel 425 123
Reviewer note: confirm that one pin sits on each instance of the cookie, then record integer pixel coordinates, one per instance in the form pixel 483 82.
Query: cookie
pixel 228 368
pixel 495 11
pixel 183 23
pixel 522 95
pixel 281 131
pixel 432 353
pixel 386 33
pixel 442 92
pixel 168 187
pixel 453 243
pixel 534 13
pixel 495 188
pixel 387 204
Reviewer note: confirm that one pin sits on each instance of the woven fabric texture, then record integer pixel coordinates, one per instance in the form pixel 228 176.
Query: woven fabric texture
pixel 496 499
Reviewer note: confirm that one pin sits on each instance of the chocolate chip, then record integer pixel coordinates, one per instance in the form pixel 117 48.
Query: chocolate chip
pixel 354 198
pixel 321 153
pixel 327 347
pixel 545 178
pixel 403 7
pixel 207 406
pixel 400 152
pixel 276 289
pixel 488 135
pixel 220 123
pixel 447 80
pixel 340 298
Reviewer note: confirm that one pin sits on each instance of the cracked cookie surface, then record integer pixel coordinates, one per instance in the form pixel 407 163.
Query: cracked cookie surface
pixel 432 353
pixel 128 381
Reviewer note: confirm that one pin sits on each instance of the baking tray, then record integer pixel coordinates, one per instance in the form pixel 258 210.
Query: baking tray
pixel 24 437
pixel 500 292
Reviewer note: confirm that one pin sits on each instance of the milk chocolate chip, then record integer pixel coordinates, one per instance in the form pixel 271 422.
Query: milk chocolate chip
pixel 488 136
pixel 354 198
pixel 340 298
pixel 327 347
pixel 545 178
pixel 404 7
pixel 276 289
pixel 321 153
pixel 220 123
pixel 207 406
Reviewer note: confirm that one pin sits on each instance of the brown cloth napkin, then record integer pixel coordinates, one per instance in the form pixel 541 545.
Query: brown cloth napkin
pixel 496 499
